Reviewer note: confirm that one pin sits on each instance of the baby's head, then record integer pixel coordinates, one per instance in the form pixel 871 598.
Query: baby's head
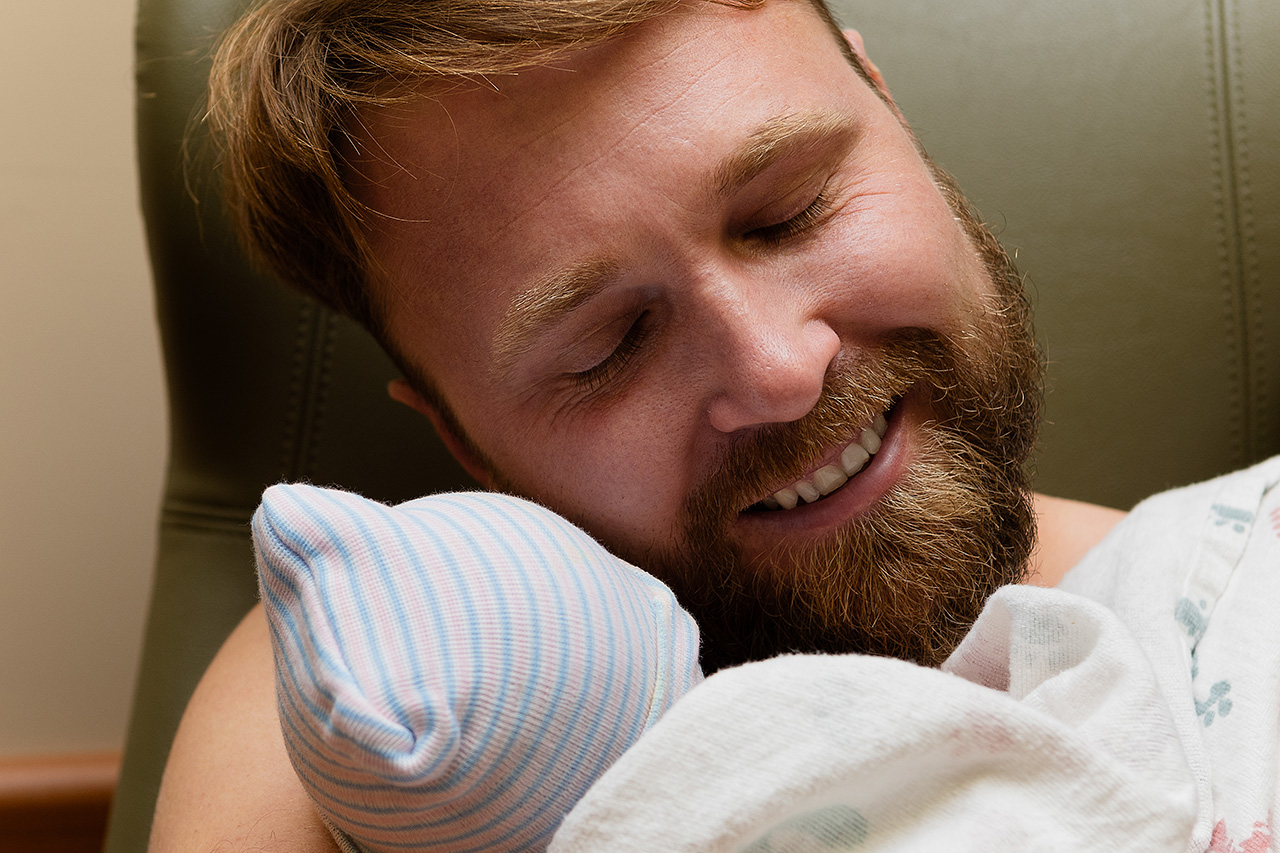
pixel 454 672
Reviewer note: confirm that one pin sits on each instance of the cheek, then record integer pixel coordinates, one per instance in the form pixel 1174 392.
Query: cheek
pixel 899 259
pixel 621 471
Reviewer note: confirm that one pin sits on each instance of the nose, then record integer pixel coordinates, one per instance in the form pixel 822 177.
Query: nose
pixel 772 357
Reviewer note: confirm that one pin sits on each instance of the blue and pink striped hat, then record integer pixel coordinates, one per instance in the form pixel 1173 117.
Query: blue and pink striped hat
pixel 454 672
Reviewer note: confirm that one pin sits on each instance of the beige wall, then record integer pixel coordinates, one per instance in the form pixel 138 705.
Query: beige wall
pixel 81 407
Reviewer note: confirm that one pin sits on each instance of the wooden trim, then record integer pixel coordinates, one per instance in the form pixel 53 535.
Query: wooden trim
pixel 56 803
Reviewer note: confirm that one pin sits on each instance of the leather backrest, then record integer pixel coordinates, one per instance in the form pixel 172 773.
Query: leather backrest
pixel 1128 153
pixel 263 385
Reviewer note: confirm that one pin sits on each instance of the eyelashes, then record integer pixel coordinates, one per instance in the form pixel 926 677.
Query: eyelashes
pixel 795 226
pixel 594 379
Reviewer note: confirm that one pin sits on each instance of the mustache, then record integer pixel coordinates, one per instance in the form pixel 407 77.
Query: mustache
pixel 853 393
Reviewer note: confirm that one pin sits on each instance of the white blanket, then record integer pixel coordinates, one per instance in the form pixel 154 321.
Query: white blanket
pixel 1136 708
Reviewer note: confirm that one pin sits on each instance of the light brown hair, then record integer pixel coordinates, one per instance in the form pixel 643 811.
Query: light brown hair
pixel 290 77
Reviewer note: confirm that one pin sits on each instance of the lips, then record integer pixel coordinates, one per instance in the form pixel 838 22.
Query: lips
pixel 852 459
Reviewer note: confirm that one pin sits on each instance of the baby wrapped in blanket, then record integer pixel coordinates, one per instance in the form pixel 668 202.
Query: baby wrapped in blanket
pixel 1058 724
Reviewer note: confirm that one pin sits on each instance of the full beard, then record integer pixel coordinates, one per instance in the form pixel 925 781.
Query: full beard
pixel 908 577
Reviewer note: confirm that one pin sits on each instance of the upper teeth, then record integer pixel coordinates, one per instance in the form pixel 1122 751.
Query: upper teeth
pixel 828 478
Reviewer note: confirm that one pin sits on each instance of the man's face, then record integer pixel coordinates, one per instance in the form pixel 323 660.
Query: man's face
pixel 666 283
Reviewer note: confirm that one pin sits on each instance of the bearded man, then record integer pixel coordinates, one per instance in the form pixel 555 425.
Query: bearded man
pixel 677 270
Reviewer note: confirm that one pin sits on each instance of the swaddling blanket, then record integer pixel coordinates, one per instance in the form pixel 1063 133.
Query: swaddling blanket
pixel 1136 708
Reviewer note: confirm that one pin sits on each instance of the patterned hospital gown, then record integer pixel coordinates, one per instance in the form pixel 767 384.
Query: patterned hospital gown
pixel 1195 574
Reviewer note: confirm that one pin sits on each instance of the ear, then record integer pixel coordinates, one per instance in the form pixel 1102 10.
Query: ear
pixel 402 392
pixel 854 38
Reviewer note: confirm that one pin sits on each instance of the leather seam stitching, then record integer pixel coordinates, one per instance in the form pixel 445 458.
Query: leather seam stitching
pixel 1222 162
pixel 320 396
pixel 293 417
pixel 1250 274
pixel 308 391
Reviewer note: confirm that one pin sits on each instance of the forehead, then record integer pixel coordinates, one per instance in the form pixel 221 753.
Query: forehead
pixel 483 188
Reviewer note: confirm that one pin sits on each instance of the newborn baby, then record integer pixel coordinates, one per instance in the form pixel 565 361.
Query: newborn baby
pixel 454 672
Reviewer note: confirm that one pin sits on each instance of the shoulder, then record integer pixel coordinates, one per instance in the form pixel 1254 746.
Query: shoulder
pixel 228 782
pixel 1067 530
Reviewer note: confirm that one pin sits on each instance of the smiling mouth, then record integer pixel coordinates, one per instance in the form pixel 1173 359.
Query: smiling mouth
pixel 832 477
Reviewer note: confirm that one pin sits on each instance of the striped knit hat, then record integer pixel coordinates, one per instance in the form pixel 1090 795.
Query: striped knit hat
pixel 454 672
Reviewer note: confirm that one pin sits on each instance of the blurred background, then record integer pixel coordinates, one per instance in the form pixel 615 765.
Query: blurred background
pixel 82 419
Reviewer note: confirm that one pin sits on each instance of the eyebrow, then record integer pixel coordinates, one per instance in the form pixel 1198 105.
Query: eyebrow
pixel 545 303
pixel 554 297
pixel 775 139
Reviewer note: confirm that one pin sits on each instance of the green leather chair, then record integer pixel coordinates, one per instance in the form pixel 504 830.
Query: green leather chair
pixel 1127 150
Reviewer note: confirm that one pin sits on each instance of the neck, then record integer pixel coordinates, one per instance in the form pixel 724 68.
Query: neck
pixel 1066 531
